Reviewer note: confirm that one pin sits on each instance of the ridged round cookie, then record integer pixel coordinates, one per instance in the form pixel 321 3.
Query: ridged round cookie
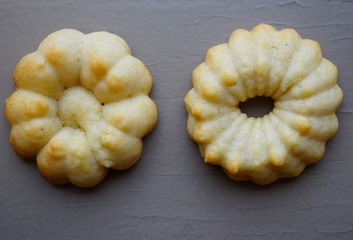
pixel 81 106
pixel 271 63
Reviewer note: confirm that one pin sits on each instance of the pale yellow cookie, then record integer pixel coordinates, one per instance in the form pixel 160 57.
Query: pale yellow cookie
pixel 81 106
pixel 271 63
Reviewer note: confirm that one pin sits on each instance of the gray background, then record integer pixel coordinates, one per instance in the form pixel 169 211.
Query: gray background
pixel 171 193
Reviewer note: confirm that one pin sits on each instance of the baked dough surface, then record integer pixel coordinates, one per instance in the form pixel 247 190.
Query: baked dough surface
pixel 81 106
pixel 271 63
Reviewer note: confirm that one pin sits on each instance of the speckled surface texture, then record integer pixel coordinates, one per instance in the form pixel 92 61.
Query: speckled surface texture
pixel 171 193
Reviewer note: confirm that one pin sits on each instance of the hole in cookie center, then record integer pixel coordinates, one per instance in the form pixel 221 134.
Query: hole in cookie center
pixel 257 107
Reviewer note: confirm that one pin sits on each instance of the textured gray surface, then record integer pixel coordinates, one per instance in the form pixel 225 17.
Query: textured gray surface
pixel 170 193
